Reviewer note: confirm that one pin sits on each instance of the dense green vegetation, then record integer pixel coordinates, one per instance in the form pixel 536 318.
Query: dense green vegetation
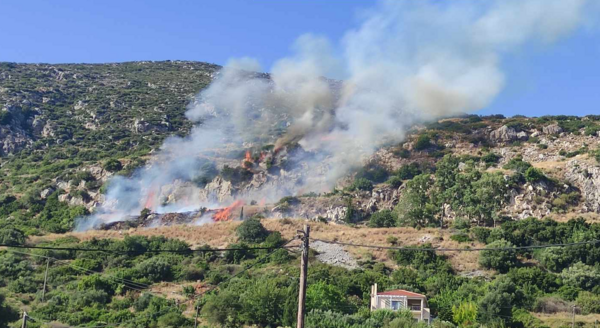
pixel 259 287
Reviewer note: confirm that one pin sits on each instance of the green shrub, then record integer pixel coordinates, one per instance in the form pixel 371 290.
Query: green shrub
pixel 394 182
pixel 517 164
pixel 581 275
pixel 588 302
pixel 252 231
pixel 423 142
pixel 461 224
pixel 11 236
pixel 562 202
pixel 112 165
pixel 490 158
pixel 24 285
pixel 326 297
pixel 392 240
pixel 501 260
pixel 534 175
pixel 408 171
pixel 156 269
pixel 361 184
pixel 372 172
pixel 382 219
pixel 480 234
pixel 461 238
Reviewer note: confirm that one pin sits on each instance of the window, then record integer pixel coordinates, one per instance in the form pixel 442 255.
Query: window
pixel 396 305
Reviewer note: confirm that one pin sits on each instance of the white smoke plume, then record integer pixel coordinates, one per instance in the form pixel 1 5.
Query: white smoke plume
pixel 407 62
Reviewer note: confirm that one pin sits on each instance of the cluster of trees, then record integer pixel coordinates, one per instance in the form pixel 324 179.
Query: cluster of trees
pixel 468 191
pixel 460 184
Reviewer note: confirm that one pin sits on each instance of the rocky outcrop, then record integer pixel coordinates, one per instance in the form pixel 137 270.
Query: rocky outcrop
pixel 219 189
pixel 507 134
pixel 142 126
pixel 382 198
pixel 49 130
pixel 553 129
pixel 586 176
pixel 12 140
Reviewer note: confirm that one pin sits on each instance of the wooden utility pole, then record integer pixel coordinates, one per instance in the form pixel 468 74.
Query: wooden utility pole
pixel 24 324
pixel 45 279
pixel 196 317
pixel 304 235
pixel 573 321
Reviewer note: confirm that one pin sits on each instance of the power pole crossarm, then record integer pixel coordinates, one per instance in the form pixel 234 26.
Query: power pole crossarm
pixel 303 273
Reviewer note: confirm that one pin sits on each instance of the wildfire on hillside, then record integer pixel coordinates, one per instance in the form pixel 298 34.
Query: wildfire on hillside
pixel 224 214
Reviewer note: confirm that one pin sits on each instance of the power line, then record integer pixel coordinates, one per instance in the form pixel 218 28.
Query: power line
pixel 139 285
pixel 248 267
pixel 127 283
pixel 184 251
pixel 440 249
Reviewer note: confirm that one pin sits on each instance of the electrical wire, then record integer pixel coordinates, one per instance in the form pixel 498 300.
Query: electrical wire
pixel 441 249
pixel 185 251
pixel 128 283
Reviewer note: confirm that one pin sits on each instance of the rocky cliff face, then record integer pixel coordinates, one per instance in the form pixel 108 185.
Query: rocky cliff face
pixel 586 176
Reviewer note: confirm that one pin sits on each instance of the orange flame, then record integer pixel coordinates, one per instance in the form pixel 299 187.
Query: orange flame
pixel 248 156
pixel 150 199
pixel 224 214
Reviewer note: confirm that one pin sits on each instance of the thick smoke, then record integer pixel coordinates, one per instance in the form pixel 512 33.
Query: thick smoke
pixel 408 62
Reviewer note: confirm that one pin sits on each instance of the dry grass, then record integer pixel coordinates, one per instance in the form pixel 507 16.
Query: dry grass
pixel 564 319
pixel 223 233
pixel 588 217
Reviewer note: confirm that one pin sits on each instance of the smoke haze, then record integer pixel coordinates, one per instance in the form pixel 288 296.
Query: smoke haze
pixel 407 62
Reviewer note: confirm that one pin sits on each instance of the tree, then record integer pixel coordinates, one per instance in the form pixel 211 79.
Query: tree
pixel 112 165
pixel 499 259
pixel 11 236
pixel 423 142
pixel 491 194
pixel 326 297
pixel 581 275
pixel 495 309
pixel 223 309
pixel 414 208
pixel 263 303
pixel 589 302
pixel 409 171
pixel 382 219
pixel 252 231
pixel 465 314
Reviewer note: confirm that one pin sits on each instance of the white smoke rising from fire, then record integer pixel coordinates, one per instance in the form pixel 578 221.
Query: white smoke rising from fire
pixel 407 62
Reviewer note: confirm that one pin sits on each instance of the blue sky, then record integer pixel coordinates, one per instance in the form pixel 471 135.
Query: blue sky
pixel 559 79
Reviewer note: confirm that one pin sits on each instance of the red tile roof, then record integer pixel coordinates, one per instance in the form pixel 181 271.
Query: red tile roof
pixel 401 292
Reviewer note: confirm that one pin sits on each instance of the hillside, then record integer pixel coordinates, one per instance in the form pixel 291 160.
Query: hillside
pixel 69 131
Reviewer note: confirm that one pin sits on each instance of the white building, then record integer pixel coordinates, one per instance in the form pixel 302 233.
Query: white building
pixel 400 299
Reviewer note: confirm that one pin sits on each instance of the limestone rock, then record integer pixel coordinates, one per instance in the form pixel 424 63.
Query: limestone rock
pixel 587 178
pixel 507 134
pixel 552 129
pixel 46 192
